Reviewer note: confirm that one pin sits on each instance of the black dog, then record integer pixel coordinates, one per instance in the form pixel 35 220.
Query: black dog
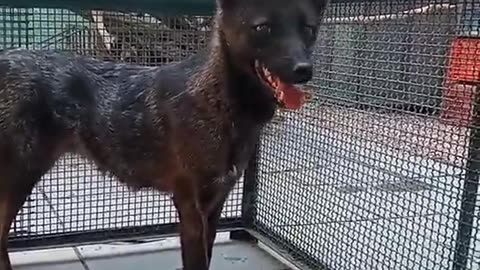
pixel 187 128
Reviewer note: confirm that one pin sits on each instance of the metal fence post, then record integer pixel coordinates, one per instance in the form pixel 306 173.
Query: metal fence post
pixel 470 189
pixel 250 188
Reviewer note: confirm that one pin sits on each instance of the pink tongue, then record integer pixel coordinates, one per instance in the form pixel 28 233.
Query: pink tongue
pixel 293 98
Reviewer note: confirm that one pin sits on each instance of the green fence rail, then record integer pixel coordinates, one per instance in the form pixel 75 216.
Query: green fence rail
pixel 171 7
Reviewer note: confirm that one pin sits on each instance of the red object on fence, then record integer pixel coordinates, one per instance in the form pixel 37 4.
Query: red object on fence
pixel 463 77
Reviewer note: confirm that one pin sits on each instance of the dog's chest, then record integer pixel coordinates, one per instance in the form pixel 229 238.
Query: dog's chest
pixel 238 160
pixel 244 139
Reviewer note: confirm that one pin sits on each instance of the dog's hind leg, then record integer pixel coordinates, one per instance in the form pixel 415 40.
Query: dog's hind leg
pixel 7 213
pixel 17 180
pixel 12 197
pixel 10 204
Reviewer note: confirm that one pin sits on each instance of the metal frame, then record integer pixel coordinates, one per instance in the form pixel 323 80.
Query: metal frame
pixel 470 190
pixel 107 236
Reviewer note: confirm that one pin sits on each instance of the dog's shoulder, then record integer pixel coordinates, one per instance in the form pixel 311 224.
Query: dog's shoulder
pixel 171 80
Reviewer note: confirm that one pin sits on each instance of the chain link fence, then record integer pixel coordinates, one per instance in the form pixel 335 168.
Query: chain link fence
pixel 381 171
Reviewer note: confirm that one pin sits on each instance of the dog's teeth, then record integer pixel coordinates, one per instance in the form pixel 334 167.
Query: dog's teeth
pixel 265 70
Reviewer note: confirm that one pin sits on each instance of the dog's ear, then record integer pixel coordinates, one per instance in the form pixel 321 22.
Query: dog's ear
pixel 226 4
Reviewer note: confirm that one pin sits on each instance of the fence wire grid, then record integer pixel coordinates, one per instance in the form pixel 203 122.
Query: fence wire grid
pixel 379 171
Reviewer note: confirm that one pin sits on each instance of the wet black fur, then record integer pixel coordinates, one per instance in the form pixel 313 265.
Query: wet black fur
pixel 187 128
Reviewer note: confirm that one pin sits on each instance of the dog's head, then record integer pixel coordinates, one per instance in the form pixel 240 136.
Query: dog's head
pixel 272 41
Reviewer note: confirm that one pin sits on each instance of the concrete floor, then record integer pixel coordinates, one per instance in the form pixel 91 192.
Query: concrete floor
pixel 151 255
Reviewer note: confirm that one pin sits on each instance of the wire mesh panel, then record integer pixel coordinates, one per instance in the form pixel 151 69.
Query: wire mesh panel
pixel 380 171
pixel 74 199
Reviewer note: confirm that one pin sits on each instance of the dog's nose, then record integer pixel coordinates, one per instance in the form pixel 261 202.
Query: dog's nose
pixel 303 72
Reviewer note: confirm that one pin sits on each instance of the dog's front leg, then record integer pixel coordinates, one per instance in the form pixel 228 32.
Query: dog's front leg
pixel 217 195
pixel 193 233
pixel 214 214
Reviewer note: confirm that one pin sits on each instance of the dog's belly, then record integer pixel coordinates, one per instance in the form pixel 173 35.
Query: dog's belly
pixel 138 173
pixel 162 168
pixel 160 180
pixel 164 181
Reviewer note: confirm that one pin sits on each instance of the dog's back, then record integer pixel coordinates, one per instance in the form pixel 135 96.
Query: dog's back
pixel 111 112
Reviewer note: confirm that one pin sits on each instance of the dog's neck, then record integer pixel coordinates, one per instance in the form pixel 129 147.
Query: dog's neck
pixel 222 77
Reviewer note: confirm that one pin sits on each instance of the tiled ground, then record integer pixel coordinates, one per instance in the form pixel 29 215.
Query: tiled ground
pixel 162 254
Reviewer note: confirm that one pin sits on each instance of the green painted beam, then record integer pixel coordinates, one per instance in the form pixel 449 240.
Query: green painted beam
pixel 171 7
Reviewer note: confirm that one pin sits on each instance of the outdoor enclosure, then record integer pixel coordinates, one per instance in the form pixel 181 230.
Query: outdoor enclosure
pixel 379 171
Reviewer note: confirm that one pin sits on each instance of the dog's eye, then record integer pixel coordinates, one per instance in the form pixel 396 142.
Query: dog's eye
pixel 263 28
pixel 309 30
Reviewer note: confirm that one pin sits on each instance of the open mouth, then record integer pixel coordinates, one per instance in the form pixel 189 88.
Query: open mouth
pixel 287 95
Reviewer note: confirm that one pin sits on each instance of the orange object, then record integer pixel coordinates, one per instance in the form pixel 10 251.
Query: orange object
pixel 464 60
pixel 463 75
